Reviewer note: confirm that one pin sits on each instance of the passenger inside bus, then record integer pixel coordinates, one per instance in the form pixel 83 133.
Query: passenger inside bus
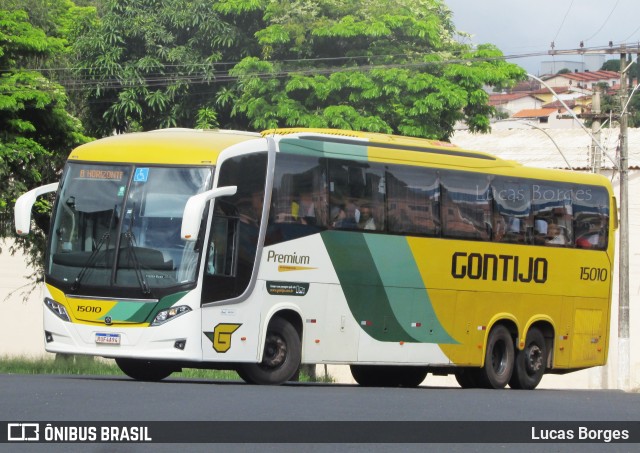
pixel 589 240
pixel 556 235
pixel 366 220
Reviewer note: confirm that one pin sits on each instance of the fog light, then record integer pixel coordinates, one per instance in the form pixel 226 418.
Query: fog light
pixel 169 314
pixel 180 344
pixel 57 309
pixel 48 336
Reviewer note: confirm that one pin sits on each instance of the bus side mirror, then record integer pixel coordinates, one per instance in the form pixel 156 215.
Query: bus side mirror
pixel 22 210
pixel 194 208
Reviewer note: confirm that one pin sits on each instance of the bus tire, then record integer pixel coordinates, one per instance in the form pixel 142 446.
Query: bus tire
pixel 145 370
pixel 281 358
pixel 468 377
pixel 530 363
pixel 499 359
pixel 388 376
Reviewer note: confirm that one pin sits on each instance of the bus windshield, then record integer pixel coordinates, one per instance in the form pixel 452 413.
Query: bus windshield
pixel 119 225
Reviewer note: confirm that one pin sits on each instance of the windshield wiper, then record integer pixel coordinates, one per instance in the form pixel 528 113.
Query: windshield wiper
pixel 131 249
pixel 94 254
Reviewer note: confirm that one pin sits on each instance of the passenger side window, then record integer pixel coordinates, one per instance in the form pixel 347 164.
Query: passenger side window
pixel 356 195
pixel 413 200
pixel 553 214
pixel 591 217
pixel 466 205
pixel 512 210
pixel 299 205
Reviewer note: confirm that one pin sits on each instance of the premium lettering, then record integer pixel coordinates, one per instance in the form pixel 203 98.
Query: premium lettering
pixel 283 258
pixel 479 266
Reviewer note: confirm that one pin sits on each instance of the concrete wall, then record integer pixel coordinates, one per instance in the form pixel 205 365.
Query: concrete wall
pixel 21 320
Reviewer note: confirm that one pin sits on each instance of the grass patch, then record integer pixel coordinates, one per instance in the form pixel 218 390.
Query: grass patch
pixel 91 366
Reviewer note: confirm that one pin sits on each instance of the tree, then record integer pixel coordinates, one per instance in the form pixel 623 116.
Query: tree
pixel 255 64
pixel 36 132
pixel 152 64
pixel 375 65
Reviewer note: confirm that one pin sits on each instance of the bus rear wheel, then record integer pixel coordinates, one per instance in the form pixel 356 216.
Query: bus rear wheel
pixel 388 376
pixel 499 359
pixel 281 357
pixel 145 370
pixel 531 362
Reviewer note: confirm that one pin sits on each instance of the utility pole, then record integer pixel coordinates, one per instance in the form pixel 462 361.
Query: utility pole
pixel 624 351
pixel 596 153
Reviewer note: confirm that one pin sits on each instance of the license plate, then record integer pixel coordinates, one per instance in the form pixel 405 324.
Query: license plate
pixel 108 338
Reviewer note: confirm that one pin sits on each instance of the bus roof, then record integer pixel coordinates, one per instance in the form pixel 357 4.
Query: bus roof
pixel 164 146
pixel 168 146
pixel 419 151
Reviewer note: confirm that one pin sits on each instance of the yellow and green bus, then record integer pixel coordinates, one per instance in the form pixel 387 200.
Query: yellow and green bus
pixel 261 252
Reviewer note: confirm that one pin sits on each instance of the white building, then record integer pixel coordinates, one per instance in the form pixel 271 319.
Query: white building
pixel 586 79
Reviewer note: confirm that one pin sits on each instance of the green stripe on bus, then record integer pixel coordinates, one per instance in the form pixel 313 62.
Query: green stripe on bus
pixel 166 302
pixel 406 292
pixel 126 311
pixel 324 149
pixel 362 286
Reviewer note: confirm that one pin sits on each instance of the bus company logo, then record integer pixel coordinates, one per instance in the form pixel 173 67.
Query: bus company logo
pixel 23 432
pixel 506 268
pixel 221 336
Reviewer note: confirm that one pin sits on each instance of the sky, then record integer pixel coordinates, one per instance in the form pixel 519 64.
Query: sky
pixel 529 26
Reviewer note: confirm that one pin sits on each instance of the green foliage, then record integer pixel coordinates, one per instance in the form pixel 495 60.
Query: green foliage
pixel 367 66
pixel 36 131
pixel 149 64
pixel 254 64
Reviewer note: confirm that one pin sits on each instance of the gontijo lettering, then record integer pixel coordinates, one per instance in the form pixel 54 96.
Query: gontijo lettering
pixel 486 266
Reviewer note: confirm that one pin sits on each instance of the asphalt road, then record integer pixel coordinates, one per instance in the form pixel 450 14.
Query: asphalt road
pixel 43 398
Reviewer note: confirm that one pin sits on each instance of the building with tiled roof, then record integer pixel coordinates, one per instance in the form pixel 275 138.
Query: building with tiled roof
pixel 513 102
pixel 587 79
pixel 535 113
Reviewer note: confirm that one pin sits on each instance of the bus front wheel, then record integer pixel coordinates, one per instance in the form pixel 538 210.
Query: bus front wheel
pixel 499 359
pixel 281 357
pixel 531 362
pixel 145 370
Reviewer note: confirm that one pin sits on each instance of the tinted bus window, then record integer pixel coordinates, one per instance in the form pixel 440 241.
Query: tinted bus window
pixel 413 200
pixel 466 205
pixel 512 210
pixel 553 213
pixel 591 217
pixel 356 195
pixel 299 198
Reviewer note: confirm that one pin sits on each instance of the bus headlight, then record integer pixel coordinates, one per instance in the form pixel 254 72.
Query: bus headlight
pixel 169 314
pixel 57 309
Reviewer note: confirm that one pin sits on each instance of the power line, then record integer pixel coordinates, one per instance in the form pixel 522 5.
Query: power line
pixel 82 79
pixel 605 21
pixel 563 19
pixel 632 34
